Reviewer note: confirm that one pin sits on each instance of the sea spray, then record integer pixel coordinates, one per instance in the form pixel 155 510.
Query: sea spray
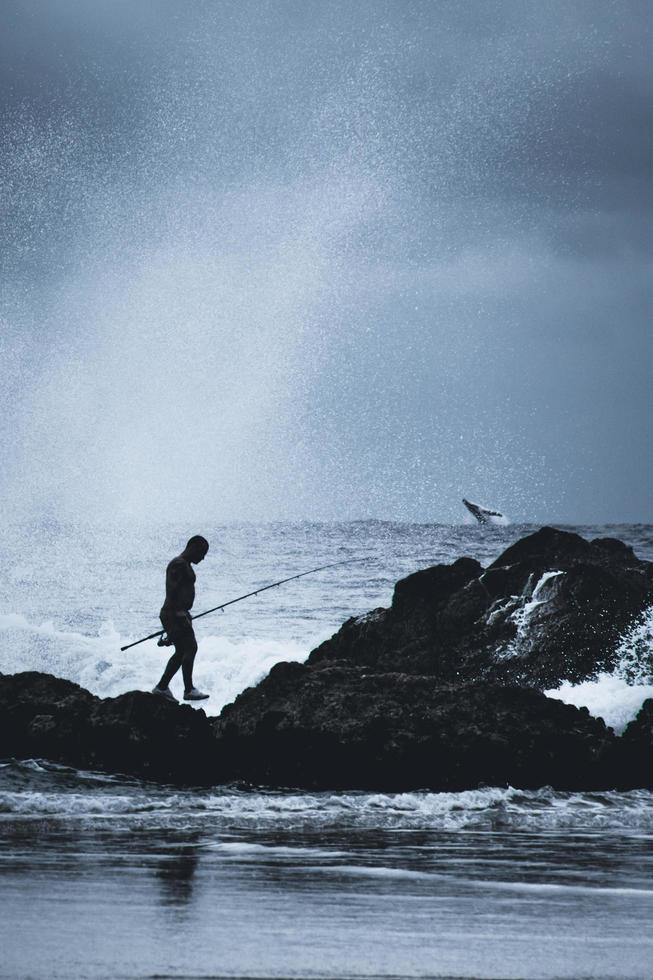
pixel 608 696
pixel 524 607
pixel 523 613
pixel 224 667
pixel 635 650
pixel 617 695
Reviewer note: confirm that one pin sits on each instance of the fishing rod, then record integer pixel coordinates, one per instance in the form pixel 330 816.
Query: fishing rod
pixel 248 595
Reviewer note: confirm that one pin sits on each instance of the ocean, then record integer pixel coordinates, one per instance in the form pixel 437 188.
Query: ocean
pixel 111 877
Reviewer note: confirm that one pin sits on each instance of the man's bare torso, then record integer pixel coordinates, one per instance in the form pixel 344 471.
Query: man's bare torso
pixel 180 586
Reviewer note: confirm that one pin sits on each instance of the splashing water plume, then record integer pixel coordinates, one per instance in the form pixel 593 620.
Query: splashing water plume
pixel 618 696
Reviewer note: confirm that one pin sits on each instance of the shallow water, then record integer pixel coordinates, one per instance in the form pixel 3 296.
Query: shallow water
pixel 120 879
pixel 110 877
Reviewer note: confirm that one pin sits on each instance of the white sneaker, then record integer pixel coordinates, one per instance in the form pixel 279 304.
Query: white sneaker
pixel 195 695
pixel 165 692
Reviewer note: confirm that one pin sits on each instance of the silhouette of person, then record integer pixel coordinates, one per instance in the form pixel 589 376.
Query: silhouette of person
pixel 177 622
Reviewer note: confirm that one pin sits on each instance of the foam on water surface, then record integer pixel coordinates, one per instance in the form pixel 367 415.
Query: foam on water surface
pixel 35 790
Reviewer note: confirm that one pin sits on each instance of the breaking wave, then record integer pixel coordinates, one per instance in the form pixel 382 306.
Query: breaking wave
pixel 608 696
pixel 36 790
pixel 224 667
pixel 617 696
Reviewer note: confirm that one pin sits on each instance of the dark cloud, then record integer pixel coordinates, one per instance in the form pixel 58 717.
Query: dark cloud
pixel 382 254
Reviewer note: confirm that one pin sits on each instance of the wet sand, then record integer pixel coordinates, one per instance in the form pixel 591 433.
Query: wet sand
pixel 131 902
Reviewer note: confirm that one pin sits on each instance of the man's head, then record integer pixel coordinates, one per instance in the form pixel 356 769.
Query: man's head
pixel 196 549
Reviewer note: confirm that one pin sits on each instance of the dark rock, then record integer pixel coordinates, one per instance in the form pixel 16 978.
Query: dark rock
pixel 339 727
pixel 42 715
pixel 546 547
pixel 140 733
pixel 552 607
pixel 635 751
pixel 613 548
pixel 426 589
pixel 135 733
pixel 641 729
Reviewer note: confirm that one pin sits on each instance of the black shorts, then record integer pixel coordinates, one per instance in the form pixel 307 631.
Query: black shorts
pixel 178 628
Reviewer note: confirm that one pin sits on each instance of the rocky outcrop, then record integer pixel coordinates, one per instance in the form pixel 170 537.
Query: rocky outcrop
pixel 551 608
pixel 443 690
pixel 635 751
pixel 334 728
pixel 342 727
pixel 136 733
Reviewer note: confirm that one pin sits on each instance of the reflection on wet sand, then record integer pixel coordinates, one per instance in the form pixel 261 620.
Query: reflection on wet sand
pixel 111 900
pixel 175 873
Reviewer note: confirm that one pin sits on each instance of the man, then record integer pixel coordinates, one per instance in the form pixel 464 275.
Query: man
pixel 176 619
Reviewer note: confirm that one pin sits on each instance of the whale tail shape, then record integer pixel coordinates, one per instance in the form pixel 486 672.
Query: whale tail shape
pixel 482 514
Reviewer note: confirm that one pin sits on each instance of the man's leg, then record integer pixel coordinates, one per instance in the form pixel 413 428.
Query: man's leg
pixel 171 626
pixel 190 649
pixel 188 659
pixel 173 666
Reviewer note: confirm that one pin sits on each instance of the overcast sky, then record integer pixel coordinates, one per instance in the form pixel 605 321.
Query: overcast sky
pixel 297 259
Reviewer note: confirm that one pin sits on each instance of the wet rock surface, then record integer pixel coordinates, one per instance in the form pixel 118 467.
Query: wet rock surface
pixel 551 608
pixel 42 716
pixel 635 750
pixel 343 727
pixel 443 690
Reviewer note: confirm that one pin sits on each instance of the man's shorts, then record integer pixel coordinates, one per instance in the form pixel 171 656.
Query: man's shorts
pixel 178 628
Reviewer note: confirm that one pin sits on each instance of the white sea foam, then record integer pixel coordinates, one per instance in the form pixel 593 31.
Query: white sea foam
pixel 240 850
pixel 617 696
pixel 223 810
pixel 538 597
pixel 409 874
pixel 524 607
pixel 635 649
pixel 609 696
pixel 224 667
